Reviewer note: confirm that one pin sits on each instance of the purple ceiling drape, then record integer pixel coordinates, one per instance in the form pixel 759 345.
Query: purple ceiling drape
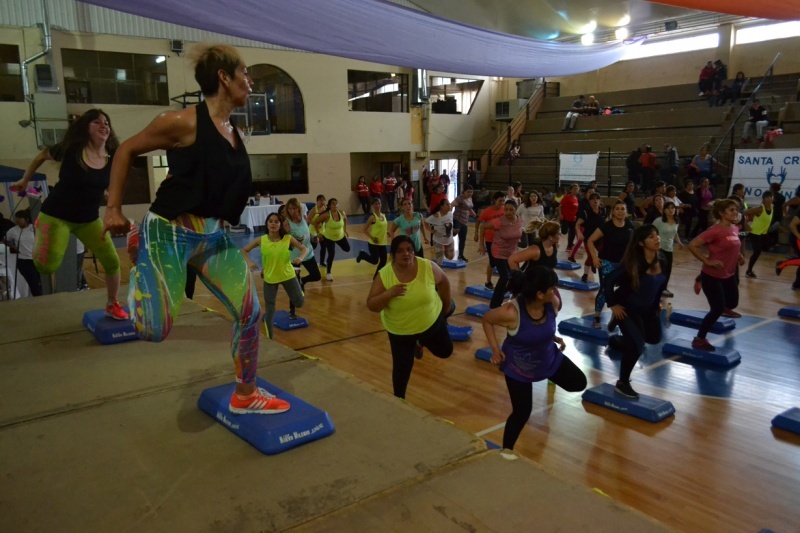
pixel 379 32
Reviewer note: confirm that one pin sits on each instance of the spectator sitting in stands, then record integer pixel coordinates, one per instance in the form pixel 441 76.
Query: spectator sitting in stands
pixel 592 107
pixel 769 137
pixel 758 119
pixel 706 82
pixel 739 85
pixel 702 165
pixel 720 97
pixel 720 74
pixel 577 109
pixel 514 152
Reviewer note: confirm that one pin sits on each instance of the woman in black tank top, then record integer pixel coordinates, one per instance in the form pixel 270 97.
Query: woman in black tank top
pixel 542 252
pixel 210 183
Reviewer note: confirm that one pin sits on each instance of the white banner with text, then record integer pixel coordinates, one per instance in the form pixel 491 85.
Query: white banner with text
pixel 577 167
pixel 757 170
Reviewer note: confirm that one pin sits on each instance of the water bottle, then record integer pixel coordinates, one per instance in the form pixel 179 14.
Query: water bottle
pixel 669 312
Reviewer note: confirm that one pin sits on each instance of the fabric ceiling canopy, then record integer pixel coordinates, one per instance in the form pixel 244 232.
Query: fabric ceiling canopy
pixel 767 9
pixel 379 32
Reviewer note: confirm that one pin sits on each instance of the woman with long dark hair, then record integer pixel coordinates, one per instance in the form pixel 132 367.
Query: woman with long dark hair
pixel 411 294
pixel 210 184
pixel 73 206
pixel 531 351
pixel 633 291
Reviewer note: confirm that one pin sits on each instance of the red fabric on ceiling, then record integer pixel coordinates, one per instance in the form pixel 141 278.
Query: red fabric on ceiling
pixel 766 9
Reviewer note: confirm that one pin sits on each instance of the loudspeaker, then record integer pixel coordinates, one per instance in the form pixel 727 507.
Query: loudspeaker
pixel 671 25
pixel 176 46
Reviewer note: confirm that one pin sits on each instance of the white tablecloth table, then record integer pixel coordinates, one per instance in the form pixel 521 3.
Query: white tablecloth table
pixel 256 215
pixel 8 267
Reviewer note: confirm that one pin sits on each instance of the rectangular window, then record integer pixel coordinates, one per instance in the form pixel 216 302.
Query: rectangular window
pixel 674 46
pixel 755 34
pixel 253 115
pixel 384 92
pixel 92 77
pixel 282 175
pixel 10 74
pixel 453 95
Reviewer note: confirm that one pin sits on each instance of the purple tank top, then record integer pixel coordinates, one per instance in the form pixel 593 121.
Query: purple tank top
pixel 531 354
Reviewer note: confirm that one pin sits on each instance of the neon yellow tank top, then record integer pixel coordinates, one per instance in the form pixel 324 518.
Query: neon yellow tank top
pixel 334 229
pixel 418 309
pixel 311 229
pixel 378 229
pixel 762 222
pixel 275 259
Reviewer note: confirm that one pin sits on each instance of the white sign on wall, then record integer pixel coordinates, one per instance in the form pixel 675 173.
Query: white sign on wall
pixel 577 167
pixel 757 170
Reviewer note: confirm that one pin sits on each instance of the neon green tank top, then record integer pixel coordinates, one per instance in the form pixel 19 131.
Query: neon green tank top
pixel 418 309
pixel 762 222
pixel 275 259
pixel 311 229
pixel 378 229
pixel 334 229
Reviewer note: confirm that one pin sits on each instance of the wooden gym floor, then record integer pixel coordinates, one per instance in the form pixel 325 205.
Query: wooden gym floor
pixel 717 465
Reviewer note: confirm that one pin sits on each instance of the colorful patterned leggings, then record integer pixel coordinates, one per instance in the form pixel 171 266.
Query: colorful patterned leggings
pixel 159 276
pixel 52 237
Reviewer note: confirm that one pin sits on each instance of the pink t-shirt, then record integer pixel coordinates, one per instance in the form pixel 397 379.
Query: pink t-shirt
pixel 506 237
pixel 723 244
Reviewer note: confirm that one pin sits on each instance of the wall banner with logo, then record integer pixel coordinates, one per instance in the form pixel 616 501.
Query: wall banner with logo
pixel 757 170
pixel 577 167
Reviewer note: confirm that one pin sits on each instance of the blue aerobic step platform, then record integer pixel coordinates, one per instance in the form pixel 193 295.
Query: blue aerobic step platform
pixel 692 319
pixel 720 356
pixel 107 330
pixel 790 312
pixel 484 354
pixel 566 265
pixel 478 310
pixel 788 420
pixel 482 292
pixel 270 434
pixel 283 321
pixel 644 407
pixel 581 326
pixel 578 285
pixel 460 333
pixel 453 263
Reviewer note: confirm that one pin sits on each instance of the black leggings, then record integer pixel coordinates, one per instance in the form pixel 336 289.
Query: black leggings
pixel 757 242
pixel 500 287
pixel 570 233
pixel 667 266
pixel 568 376
pixel 191 281
pixel 376 256
pixel 365 205
pixel 637 329
pixel 702 222
pixel 330 248
pixel 460 231
pixel 686 221
pixel 436 339
pixel 721 294
pixel 313 275
pixel 31 275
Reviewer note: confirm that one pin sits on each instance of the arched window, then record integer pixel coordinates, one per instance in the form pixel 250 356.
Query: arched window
pixel 285 109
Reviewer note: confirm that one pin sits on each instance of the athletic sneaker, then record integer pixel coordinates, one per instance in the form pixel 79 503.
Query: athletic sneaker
pixel 624 388
pixel 778 270
pixel 750 274
pixel 464 259
pixel 702 344
pixel 114 310
pixel 292 316
pixel 730 313
pixel 572 259
pixel 585 278
pixel 489 285
pixel 508 455
pixel 418 350
pixel 358 258
pixel 596 323
pixel 328 276
pixel 667 294
pixel 258 404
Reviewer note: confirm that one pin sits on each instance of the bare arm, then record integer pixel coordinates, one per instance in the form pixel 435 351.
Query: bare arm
pixel 590 247
pixel 442 286
pixel 579 229
pixel 505 316
pixel 370 222
pixel 530 253
pixel 34 165
pixel 168 130
pixel 794 227
pixel 246 252
pixel 379 297
pixel 303 250
pixel 391 229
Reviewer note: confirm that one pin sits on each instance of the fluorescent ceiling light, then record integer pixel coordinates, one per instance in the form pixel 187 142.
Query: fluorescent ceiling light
pixel 624 21
pixel 621 34
pixel 587 38
pixel 589 28
pixel 161 59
